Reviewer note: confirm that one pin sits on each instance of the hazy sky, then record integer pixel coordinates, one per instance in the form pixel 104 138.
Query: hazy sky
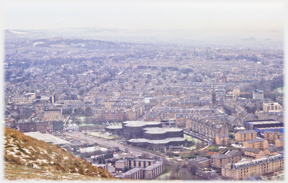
pixel 181 15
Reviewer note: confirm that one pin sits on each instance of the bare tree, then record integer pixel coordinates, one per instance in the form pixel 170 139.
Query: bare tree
pixel 172 176
pixel 185 174
pixel 145 155
pixel 166 163
pixel 175 168
pixel 193 167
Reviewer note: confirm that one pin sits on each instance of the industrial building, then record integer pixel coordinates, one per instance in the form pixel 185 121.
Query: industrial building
pixel 260 126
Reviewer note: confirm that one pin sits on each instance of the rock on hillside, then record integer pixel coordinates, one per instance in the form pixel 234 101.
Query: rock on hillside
pixel 29 156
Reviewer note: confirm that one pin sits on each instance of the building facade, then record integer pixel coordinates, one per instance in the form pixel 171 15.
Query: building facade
pixel 217 161
pixel 256 143
pixel 244 135
pixel 240 171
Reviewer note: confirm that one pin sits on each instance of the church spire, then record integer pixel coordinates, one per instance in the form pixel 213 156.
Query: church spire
pixel 213 97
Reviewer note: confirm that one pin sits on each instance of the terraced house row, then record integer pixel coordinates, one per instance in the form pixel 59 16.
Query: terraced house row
pixel 242 170
pixel 207 128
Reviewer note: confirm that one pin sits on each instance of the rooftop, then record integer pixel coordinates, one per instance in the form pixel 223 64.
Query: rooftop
pixel 158 130
pixel 155 165
pixel 256 162
pixel 163 141
pixel 139 123
pixel 134 170
pixel 47 138
pixel 246 131
pixel 255 140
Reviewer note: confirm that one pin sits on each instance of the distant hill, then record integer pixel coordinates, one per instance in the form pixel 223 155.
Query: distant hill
pixel 29 158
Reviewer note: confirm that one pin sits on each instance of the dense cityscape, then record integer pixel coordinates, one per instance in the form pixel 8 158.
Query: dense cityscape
pixel 143 91
pixel 148 111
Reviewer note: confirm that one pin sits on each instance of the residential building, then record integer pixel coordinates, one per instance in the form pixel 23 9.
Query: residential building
pixel 244 135
pixel 256 143
pixel 279 142
pixel 242 170
pixel 217 161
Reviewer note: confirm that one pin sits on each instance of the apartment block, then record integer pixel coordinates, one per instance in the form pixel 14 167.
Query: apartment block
pixel 244 135
pixel 256 143
pixel 218 161
pixel 242 170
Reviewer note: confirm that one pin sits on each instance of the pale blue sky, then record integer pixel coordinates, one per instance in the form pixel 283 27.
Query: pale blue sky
pixel 182 15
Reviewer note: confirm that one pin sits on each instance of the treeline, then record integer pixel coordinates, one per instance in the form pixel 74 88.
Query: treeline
pixel 268 86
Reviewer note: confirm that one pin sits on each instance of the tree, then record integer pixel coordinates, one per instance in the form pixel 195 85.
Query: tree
pixel 78 122
pixel 193 167
pixel 88 111
pixel 231 136
pixel 175 167
pixel 145 155
pixel 166 163
pixel 172 176
pixel 184 174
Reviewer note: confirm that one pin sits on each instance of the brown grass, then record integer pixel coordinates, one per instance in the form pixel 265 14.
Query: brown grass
pixel 67 165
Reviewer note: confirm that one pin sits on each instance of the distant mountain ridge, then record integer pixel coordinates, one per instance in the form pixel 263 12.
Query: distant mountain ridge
pixel 29 158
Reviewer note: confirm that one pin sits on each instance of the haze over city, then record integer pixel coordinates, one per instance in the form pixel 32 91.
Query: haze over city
pixel 177 20
pixel 144 90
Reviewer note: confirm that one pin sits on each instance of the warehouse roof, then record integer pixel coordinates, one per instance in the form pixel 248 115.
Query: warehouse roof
pixel 47 138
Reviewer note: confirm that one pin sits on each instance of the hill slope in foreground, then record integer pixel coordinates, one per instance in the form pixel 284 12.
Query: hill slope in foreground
pixel 29 158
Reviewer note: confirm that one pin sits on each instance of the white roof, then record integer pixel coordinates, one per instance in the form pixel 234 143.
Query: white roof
pixel 46 138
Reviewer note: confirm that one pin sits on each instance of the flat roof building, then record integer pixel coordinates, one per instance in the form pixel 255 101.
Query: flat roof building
pixel 262 125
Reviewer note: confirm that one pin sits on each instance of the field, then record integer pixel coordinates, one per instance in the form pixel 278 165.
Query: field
pixel 101 135
pixel 189 138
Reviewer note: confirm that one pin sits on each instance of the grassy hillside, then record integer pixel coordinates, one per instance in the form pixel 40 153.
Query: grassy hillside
pixel 29 158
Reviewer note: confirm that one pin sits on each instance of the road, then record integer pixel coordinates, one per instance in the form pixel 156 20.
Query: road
pixel 109 143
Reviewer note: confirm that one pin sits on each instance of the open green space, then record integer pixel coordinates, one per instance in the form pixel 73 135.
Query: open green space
pixel 280 90
pixel 189 138
pixel 101 135
pixel 163 175
pixel 81 119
